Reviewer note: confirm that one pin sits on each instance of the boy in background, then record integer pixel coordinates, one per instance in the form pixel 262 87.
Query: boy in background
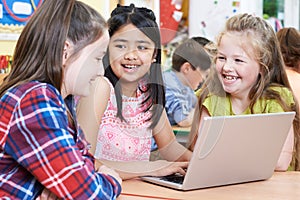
pixel 190 64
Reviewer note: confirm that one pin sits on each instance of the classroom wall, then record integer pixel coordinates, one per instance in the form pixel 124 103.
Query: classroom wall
pixel 208 20
pixel 291 10
pixel 213 15
pixel 102 6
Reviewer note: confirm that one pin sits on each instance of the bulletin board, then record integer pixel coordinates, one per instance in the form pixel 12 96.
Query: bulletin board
pixel 14 14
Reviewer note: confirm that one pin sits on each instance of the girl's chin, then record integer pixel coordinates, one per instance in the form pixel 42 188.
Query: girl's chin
pixel 228 89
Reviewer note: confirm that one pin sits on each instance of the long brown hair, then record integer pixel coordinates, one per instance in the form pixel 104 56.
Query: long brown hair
pixel 289 40
pixel 39 50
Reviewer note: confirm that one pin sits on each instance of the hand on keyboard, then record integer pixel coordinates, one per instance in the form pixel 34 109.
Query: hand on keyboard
pixel 167 168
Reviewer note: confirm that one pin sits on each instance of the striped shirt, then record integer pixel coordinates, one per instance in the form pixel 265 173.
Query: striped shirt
pixel 39 148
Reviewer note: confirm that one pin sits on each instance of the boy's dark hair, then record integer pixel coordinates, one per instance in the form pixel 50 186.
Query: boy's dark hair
pixel 201 40
pixel 192 52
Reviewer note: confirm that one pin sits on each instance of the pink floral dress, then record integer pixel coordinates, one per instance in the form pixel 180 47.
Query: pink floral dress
pixel 128 140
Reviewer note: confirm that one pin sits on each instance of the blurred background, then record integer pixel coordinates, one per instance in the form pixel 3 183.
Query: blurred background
pixel 178 19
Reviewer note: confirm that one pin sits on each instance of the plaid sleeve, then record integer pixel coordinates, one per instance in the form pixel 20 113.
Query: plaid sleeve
pixel 39 141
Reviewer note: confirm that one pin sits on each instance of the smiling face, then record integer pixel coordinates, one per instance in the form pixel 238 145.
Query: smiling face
pixel 131 53
pixel 237 69
pixel 80 71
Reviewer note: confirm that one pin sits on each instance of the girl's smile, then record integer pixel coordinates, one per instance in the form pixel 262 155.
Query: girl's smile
pixel 130 68
pixel 131 53
pixel 230 78
pixel 238 70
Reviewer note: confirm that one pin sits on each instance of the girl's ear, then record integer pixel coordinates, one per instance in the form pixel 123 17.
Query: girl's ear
pixel 263 70
pixel 66 52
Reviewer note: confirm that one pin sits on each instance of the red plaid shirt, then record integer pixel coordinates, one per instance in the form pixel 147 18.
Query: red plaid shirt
pixel 39 148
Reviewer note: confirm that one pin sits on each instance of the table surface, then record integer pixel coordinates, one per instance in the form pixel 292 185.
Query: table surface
pixel 281 186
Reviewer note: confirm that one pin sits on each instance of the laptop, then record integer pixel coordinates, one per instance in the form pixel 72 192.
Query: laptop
pixel 231 150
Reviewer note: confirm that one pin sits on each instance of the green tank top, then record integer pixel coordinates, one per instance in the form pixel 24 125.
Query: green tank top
pixel 220 106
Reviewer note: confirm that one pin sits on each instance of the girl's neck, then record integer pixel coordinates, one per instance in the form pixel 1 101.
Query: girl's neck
pixel 129 89
pixel 239 105
pixel 63 91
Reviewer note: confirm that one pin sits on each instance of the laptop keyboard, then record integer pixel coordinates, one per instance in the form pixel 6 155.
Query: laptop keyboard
pixel 175 178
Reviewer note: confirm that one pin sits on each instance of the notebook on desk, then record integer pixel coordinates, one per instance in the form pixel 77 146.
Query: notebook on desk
pixel 233 149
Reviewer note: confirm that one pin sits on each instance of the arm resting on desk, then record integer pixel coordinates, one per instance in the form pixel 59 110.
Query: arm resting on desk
pixel 134 169
pixel 175 152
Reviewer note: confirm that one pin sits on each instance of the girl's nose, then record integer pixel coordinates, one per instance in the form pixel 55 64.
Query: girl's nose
pixel 227 66
pixel 131 55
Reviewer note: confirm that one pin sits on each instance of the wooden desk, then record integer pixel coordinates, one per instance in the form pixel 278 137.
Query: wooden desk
pixel 281 186
pixel 181 133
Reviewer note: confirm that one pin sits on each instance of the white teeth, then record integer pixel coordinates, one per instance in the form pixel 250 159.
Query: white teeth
pixel 131 66
pixel 230 78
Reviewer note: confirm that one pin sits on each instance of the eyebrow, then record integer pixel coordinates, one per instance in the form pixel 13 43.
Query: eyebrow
pixel 138 41
pixel 143 41
pixel 119 40
pixel 233 55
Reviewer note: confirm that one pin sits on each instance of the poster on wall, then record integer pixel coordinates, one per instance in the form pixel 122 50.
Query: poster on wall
pixel 14 14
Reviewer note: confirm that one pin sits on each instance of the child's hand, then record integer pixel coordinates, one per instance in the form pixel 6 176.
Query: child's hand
pixel 106 170
pixel 47 195
pixel 168 168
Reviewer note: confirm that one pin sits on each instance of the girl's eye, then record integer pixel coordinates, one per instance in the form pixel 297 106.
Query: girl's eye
pixel 221 58
pixel 238 60
pixel 120 46
pixel 142 47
